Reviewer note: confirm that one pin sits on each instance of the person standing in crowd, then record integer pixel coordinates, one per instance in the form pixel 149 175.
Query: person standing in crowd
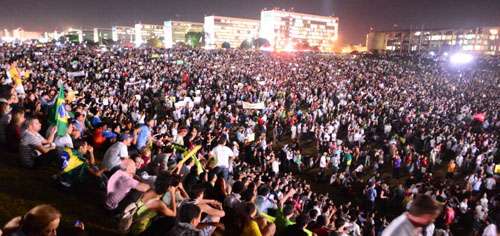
pixel 223 156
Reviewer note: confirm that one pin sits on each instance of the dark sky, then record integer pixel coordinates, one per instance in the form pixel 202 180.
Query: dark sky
pixel 356 16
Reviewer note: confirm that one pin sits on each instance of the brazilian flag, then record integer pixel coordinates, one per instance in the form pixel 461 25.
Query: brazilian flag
pixel 59 116
pixel 74 167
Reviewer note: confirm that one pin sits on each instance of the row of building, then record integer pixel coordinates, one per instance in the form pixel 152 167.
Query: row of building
pixel 481 40
pixel 282 29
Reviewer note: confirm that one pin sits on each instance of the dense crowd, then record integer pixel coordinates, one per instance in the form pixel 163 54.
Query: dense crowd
pixel 218 142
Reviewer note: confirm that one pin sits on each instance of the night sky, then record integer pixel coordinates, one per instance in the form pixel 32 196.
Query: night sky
pixel 356 16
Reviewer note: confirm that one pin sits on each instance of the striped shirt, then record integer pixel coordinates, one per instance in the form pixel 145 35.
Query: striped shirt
pixel 27 147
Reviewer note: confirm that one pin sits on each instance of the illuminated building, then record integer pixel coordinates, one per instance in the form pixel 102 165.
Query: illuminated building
pixel 221 29
pixel 123 35
pixel 285 29
pixel 175 31
pixel 73 35
pixel 49 36
pixel 20 35
pixel 97 35
pixel 146 32
pixel 483 40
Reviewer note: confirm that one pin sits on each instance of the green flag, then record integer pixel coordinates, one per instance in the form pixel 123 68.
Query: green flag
pixel 59 117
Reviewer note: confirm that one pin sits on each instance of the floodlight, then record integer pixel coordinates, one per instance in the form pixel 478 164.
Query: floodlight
pixel 461 58
pixel 289 47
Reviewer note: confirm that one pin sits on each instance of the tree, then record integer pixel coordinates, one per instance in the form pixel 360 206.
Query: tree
pixel 245 45
pixel 194 39
pixel 226 45
pixel 261 42
pixel 154 42
pixel 108 42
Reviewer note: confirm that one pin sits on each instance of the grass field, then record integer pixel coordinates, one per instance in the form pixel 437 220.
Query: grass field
pixel 21 189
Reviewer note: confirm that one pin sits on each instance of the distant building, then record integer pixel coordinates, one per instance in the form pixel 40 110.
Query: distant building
pixel 50 36
pixel 20 35
pixel 73 35
pixel 484 40
pixel 146 32
pixel 124 35
pixel 175 31
pixel 102 35
pixel 285 29
pixel 222 29
pixel 88 35
pixel 98 35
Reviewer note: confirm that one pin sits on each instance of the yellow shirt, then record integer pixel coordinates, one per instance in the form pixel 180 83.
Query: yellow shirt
pixel 71 96
pixel 14 74
pixel 251 229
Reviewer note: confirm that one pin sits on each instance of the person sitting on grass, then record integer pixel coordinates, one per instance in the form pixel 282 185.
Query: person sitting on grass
pixel 152 205
pixel 77 164
pixel 34 149
pixel 119 186
pixel 189 217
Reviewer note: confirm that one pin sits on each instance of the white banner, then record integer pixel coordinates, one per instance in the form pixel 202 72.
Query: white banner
pixel 76 74
pixel 180 104
pixel 256 106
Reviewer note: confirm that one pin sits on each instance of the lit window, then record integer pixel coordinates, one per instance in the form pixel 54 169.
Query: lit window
pixel 436 37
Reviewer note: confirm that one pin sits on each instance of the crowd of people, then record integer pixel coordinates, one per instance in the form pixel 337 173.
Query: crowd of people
pixel 217 142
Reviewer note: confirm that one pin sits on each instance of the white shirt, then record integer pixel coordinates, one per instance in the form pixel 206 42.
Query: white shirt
pixel 275 165
pixel 463 207
pixel 490 183
pixel 222 153
pixel 64 141
pixel 114 154
pixel 490 230
pixel 322 162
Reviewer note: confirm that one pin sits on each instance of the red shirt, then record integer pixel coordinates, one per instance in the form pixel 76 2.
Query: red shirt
pixel 99 138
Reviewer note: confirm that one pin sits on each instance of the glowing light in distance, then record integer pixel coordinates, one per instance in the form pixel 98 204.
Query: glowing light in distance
pixel 289 48
pixel 266 49
pixel 460 58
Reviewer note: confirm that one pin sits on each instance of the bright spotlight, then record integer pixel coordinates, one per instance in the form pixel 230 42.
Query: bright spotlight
pixel 460 58
pixel 289 47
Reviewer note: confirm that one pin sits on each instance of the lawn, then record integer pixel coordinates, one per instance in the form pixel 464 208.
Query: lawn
pixel 21 189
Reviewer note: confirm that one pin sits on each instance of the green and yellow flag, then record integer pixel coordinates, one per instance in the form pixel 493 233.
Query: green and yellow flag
pixel 192 154
pixel 59 116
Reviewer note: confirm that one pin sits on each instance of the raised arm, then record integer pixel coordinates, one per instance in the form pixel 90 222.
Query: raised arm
pixel 285 198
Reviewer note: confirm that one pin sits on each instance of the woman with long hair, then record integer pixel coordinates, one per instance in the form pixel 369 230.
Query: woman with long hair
pixel 152 205
pixel 220 188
